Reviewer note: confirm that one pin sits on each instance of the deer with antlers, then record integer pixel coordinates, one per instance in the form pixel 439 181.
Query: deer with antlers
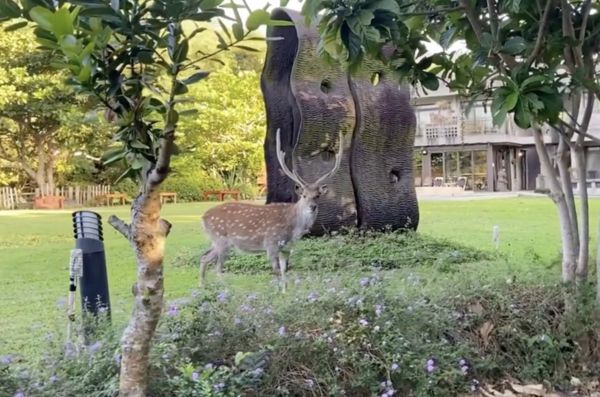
pixel 269 228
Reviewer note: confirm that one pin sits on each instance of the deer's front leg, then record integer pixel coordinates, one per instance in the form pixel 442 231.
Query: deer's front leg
pixel 283 263
pixel 272 253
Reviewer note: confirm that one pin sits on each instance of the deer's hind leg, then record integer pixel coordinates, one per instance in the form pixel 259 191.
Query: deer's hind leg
pixel 217 253
pixel 208 257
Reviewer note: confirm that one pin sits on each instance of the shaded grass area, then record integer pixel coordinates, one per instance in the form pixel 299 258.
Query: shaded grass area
pixel 34 254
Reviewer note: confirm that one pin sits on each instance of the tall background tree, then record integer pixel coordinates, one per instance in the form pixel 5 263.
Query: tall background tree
pixel 535 61
pixel 41 120
pixel 118 52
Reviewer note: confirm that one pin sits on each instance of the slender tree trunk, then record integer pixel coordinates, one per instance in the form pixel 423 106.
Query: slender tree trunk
pixel 558 196
pixel 584 232
pixel 598 264
pixel 147 235
pixel 563 157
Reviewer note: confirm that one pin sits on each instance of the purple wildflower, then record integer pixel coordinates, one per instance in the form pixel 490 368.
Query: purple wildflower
pixel 282 331
pixel 53 379
pixel 237 321
pixel 19 394
pixel 195 376
pixel 219 387
pixel 378 310
pixel 7 360
pixel 464 366
pixel 394 367
pixel 474 385
pixel 257 371
pixel 310 383
pixel 223 296
pixel 173 310
pixel 363 322
pixel 117 358
pixel 94 347
pixel 313 297
pixel 430 366
pixel 365 281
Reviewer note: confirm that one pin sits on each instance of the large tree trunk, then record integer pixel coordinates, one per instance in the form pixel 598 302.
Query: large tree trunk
pixel 147 235
pixel 50 175
pixel 558 196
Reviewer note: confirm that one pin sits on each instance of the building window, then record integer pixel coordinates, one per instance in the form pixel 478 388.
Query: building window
pixel 467 169
pixel 418 167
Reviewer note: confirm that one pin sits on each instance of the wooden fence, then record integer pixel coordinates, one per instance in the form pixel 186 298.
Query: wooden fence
pixel 78 195
pixel 13 198
pixel 10 197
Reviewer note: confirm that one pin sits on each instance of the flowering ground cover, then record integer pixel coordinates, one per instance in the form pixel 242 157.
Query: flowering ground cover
pixel 437 313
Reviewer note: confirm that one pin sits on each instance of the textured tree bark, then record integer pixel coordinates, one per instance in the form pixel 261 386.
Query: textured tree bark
pixel 310 101
pixel 147 235
pixel 558 196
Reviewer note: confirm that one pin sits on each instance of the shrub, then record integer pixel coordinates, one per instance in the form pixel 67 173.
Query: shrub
pixel 336 334
pixel 190 186
pixel 392 250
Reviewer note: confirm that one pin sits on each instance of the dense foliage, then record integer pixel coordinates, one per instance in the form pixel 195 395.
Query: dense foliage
pixel 42 121
pixel 222 148
pixel 361 332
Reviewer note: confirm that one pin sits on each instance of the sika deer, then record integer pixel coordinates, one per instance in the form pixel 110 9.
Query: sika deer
pixel 271 227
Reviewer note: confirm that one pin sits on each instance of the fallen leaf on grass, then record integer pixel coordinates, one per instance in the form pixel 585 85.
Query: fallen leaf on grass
pixel 485 331
pixel 534 390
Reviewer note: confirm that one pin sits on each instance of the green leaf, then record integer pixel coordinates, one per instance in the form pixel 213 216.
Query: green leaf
pixel 446 39
pixel 188 112
pixel 43 17
pixel 511 101
pixel 387 5
pixel 112 155
pixel 129 173
pixel 257 18
pixel 246 48
pixel 9 9
pixel 138 145
pixel 522 115
pixel 238 31
pixel 514 45
pixel 430 81
pixel 63 20
pixel 181 51
pixel 487 41
pixel 195 77
pixel 283 3
pixel 210 4
pixel 224 29
pixel 15 26
pixel 180 88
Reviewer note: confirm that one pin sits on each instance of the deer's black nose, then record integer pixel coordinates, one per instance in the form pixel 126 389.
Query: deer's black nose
pixel 313 207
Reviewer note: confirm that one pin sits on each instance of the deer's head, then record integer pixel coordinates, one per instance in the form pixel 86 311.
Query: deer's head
pixel 308 193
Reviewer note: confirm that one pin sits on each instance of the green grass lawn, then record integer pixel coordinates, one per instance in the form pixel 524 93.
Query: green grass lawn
pixel 35 247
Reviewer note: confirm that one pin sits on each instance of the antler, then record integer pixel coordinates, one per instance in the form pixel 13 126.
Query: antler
pixel 338 161
pixel 286 170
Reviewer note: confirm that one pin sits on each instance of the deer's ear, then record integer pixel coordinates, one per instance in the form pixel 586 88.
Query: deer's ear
pixel 299 190
pixel 323 189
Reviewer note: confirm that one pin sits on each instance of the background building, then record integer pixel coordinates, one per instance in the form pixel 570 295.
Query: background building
pixel 456 148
